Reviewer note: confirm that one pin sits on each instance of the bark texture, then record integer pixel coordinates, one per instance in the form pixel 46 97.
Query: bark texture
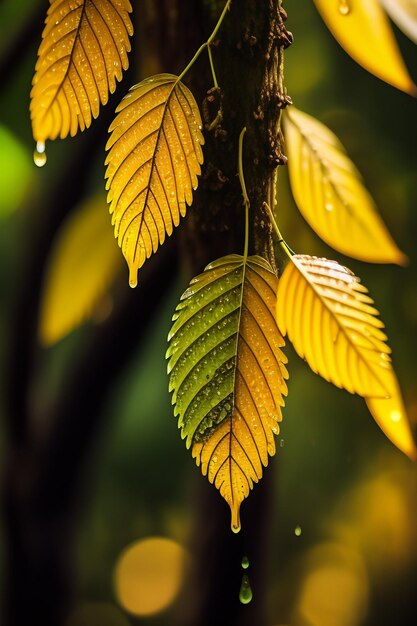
pixel 248 57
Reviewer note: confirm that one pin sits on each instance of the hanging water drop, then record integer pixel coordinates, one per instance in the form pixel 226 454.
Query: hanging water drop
pixel 344 7
pixel 297 531
pixel 245 593
pixel 133 278
pixel 245 562
pixel 39 156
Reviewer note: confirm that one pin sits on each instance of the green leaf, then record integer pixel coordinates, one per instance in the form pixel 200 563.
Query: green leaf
pixel 227 373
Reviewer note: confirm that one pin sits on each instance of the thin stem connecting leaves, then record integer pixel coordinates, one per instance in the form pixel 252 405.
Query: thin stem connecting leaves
pixel 281 240
pixel 244 192
pixel 207 45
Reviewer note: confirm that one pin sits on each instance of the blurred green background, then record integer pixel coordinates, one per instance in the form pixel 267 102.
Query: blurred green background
pixel 343 548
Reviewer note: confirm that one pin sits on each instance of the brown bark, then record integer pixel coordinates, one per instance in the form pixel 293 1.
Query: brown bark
pixel 249 64
pixel 248 59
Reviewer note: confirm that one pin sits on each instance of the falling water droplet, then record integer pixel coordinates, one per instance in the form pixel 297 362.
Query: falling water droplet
pixel 133 278
pixel 344 7
pixel 297 531
pixel 39 156
pixel 281 443
pixel 245 562
pixel 245 593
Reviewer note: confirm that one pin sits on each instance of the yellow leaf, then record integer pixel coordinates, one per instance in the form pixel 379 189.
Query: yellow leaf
pixel 333 325
pixel 404 14
pixel 227 373
pixel 363 30
pixel 84 49
pixel 391 416
pixel 83 262
pixel 152 166
pixel 330 194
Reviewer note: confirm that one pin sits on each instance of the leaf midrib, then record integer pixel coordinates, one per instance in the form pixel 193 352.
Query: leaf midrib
pixel 327 172
pixel 153 163
pixel 71 55
pixel 334 316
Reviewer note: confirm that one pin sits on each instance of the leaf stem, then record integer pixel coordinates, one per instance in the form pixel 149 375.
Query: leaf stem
pixel 213 72
pixel 207 44
pixel 281 240
pixel 244 193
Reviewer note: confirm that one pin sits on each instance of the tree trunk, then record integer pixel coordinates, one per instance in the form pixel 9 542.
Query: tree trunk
pixel 248 59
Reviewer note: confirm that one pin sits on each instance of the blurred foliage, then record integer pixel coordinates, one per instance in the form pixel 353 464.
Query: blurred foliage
pixel 352 494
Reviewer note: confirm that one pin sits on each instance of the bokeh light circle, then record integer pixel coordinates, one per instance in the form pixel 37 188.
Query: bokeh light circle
pixel 149 575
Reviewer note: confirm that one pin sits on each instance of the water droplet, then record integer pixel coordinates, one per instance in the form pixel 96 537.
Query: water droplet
pixel 328 206
pixel 297 531
pixel 281 443
pixel 39 156
pixel 245 562
pixel 133 277
pixel 245 593
pixel 344 7
pixel 395 416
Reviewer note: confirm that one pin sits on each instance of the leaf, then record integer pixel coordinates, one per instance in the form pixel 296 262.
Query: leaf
pixel 227 373
pixel 333 325
pixel 391 416
pixel 83 50
pixel 404 14
pixel 330 194
pixel 152 166
pixel 363 30
pixel 83 263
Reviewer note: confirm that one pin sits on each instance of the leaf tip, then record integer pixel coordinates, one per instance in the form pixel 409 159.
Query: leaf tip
pixel 133 277
pixel 402 259
pixel 412 90
pixel 391 416
pixel 235 523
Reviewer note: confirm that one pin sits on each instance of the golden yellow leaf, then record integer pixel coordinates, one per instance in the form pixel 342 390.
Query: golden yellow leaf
pixel 83 262
pixel 404 14
pixel 227 373
pixel 83 51
pixel 330 194
pixel 391 416
pixel 333 325
pixel 363 30
pixel 152 166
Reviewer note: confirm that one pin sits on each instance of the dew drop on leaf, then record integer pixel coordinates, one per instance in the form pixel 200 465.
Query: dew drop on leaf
pixel 395 416
pixel 245 593
pixel 344 7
